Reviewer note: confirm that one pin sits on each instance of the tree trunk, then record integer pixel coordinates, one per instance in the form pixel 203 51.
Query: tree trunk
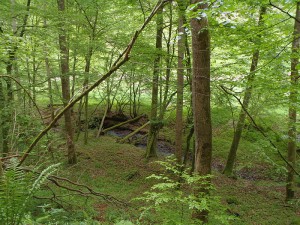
pixel 4 129
pixel 50 95
pixel 34 70
pixel 292 132
pixel 151 150
pixel 201 100
pixel 180 82
pixel 65 85
pixel 169 58
pixel 241 121
pixel 8 101
pixel 86 98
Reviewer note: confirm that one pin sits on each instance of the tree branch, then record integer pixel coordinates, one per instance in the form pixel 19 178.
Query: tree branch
pixel 285 12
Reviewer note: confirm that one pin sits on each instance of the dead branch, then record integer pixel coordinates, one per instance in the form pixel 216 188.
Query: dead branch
pixel 80 189
pixel 9 157
pixel 134 132
pixel 102 122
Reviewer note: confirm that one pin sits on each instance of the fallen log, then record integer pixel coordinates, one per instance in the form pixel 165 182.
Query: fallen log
pixel 133 133
pixel 123 123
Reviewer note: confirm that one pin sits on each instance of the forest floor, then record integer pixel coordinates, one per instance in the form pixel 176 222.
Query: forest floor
pixel 255 196
pixel 120 170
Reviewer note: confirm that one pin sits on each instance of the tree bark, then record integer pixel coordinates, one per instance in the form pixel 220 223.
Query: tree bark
pixel 246 101
pixel 292 132
pixel 201 100
pixel 65 85
pixel 180 82
pixel 151 150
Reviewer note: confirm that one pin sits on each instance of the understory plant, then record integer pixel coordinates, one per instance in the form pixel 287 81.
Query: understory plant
pixel 17 189
pixel 172 199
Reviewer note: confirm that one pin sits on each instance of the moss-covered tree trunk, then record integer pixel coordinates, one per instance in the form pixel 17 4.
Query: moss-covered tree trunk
pixel 246 101
pixel 292 132
pixel 151 150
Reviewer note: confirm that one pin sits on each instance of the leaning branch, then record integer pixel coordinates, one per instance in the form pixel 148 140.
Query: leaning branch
pixel 259 129
pixel 122 59
pixel 25 90
pixel 285 12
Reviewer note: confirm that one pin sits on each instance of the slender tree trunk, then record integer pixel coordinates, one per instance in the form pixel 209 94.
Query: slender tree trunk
pixel 34 77
pixel 169 58
pixel 86 98
pixel 65 84
pixel 201 100
pixel 292 132
pixel 74 64
pixel 189 119
pixel 180 82
pixel 151 150
pixel 8 101
pixel 48 71
pixel 3 131
pixel 50 95
pixel 241 121
pixel 131 95
pixel 88 59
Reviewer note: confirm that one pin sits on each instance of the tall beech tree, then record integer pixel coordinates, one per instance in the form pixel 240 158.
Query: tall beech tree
pixel 65 85
pixel 201 96
pixel 292 131
pixel 246 101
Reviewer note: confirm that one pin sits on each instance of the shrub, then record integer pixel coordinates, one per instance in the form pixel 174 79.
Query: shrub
pixel 172 199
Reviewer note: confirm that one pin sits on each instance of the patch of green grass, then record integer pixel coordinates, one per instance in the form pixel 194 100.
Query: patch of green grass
pixel 256 203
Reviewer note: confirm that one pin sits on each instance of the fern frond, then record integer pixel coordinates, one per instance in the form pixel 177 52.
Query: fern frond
pixel 17 189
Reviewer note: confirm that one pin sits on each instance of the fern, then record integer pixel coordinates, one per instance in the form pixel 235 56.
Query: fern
pixel 16 191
